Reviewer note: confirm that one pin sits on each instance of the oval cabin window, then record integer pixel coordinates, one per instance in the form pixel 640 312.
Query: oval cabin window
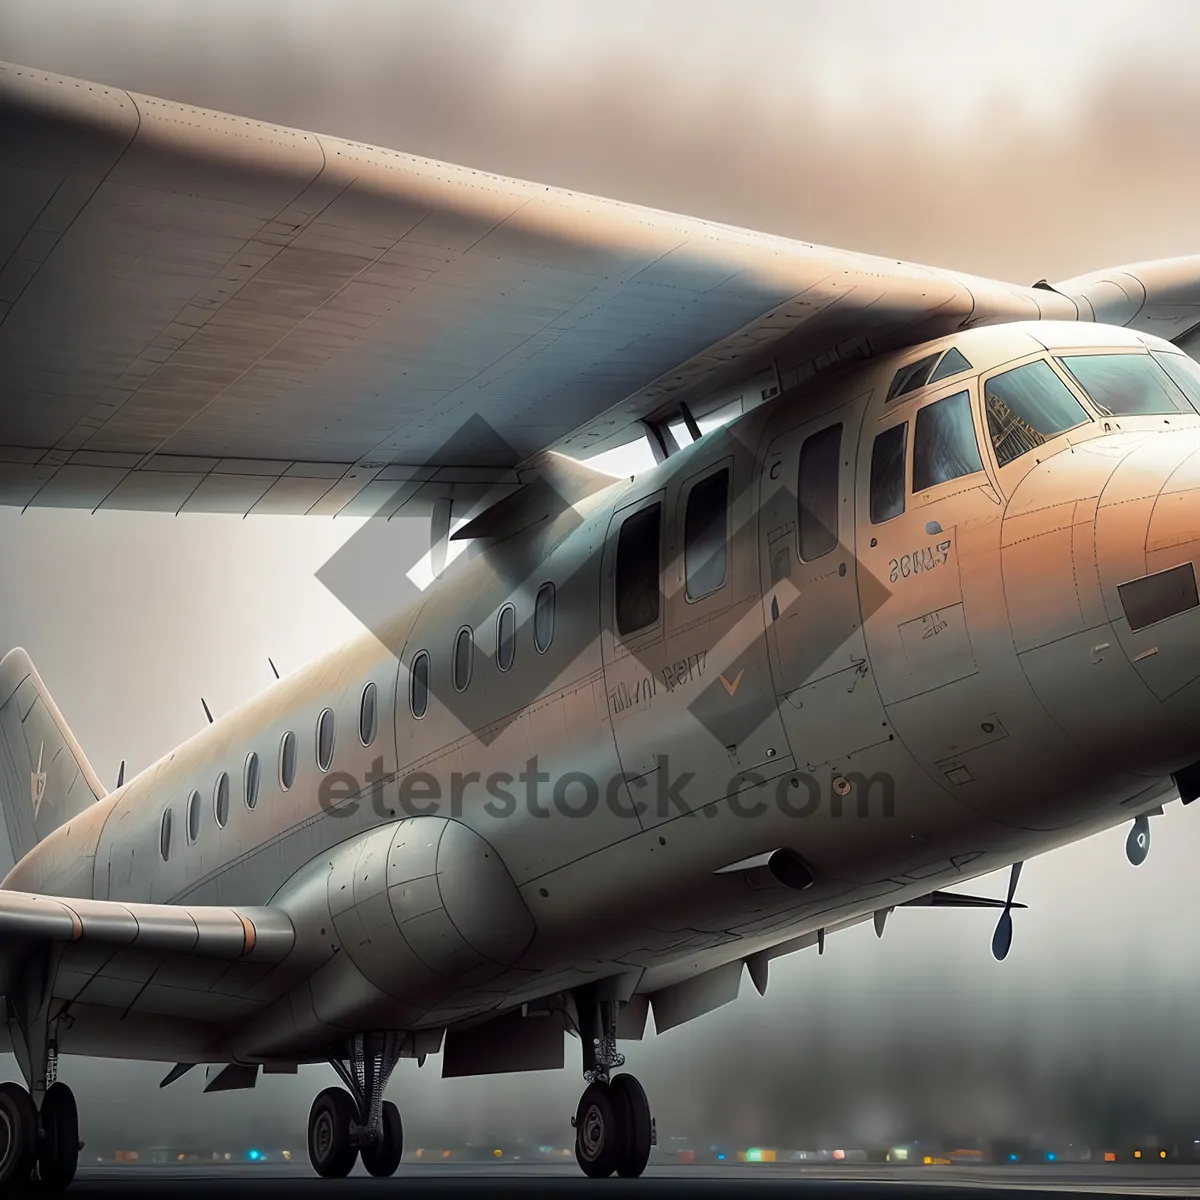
pixel 543 618
pixel 464 653
pixel 193 816
pixel 287 760
pixel 367 715
pixel 418 687
pixel 506 637
pixel 221 800
pixel 325 730
pixel 164 835
pixel 250 782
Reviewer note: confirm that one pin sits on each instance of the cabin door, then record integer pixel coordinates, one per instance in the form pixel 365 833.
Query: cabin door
pixel 810 588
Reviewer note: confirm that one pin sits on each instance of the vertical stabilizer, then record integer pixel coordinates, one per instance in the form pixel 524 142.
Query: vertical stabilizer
pixel 45 780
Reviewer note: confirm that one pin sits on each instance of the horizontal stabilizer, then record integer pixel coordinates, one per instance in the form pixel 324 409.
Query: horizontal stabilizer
pixel 956 900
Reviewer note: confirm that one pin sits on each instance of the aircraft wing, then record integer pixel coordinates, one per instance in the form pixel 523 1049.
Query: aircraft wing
pixel 200 312
pixel 207 964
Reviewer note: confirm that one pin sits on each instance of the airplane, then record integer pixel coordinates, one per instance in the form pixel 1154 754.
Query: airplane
pixel 908 597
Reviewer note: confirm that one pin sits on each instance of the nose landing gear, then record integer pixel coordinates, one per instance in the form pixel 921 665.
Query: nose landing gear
pixel 613 1126
pixel 346 1124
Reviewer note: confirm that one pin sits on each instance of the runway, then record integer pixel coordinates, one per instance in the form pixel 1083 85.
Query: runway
pixel 268 1181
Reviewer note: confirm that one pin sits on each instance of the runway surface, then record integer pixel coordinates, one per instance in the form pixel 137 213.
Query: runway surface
pixel 269 1181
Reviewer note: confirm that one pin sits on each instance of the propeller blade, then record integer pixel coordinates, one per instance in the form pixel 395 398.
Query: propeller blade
pixel 1012 881
pixel 1002 938
pixel 1137 844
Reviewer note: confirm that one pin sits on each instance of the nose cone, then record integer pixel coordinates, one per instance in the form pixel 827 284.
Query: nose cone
pixel 1099 552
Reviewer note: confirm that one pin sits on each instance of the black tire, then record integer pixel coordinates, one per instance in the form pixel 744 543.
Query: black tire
pixel 330 1150
pixel 599 1132
pixel 58 1146
pixel 633 1111
pixel 18 1134
pixel 382 1159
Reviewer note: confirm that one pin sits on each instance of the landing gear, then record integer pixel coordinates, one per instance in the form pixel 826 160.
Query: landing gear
pixel 18 1134
pixel 383 1157
pixel 42 1146
pixel 58 1146
pixel 613 1126
pixel 343 1124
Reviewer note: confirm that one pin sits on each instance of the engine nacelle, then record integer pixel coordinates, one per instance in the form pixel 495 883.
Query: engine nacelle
pixel 417 915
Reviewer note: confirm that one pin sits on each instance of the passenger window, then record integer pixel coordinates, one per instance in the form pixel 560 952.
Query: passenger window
pixel 704 529
pixel 1027 406
pixel 221 800
pixel 251 780
pixel 464 646
pixel 506 637
pixel 418 687
pixel 164 836
pixel 287 760
pixel 638 570
pixel 543 618
pixel 817 492
pixel 944 442
pixel 193 816
pixel 910 378
pixel 954 362
pixel 325 739
pixel 367 714
pixel 1124 385
pixel 1184 373
pixel 887 474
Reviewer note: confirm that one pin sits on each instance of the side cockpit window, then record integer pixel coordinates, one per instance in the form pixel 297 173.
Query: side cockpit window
pixel 1027 406
pixel 1125 385
pixel 887 474
pixel 911 377
pixel 954 362
pixel 944 442
pixel 817 492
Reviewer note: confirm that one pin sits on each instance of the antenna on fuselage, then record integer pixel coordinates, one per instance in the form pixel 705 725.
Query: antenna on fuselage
pixel 206 711
pixel 273 666
pixel 121 776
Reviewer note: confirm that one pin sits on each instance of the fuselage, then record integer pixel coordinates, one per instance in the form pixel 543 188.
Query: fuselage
pixel 915 621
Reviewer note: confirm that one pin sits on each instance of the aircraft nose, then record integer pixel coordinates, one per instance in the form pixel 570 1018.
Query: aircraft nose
pixel 1100 548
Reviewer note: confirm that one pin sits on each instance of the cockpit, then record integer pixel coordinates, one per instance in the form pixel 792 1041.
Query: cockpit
pixel 997 400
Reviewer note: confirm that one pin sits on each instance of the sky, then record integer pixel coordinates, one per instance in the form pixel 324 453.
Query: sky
pixel 1021 141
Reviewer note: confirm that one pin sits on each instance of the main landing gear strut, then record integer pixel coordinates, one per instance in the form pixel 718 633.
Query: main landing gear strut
pixel 613 1126
pixel 344 1125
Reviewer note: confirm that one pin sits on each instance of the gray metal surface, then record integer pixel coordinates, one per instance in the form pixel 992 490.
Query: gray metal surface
pixel 202 312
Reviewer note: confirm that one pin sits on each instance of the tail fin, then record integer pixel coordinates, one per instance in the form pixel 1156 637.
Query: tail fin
pixel 45 780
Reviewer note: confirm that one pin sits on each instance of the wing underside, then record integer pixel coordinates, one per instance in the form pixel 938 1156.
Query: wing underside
pixel 147 967
pixel 200 312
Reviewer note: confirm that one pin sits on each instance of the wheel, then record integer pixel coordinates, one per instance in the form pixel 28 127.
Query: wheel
pixel 598 1131
pixel 58 1146
pixel 383 1158
pixel 330 1150
pixel 633 1111
pixel 18 1134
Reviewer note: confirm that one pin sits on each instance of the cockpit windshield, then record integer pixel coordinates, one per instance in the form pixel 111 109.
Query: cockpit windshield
pixel 1184 372
pixel 1125 385
pixel 1027 406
